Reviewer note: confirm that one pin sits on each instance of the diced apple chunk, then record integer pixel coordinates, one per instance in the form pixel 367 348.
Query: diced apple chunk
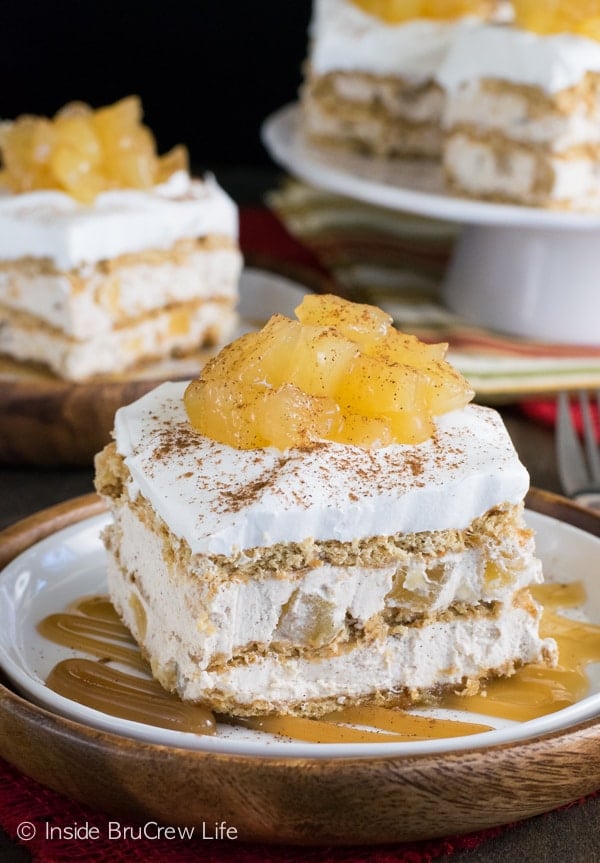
pixel 560 16
pixel 84 152
pixel 395 11
pixel 366 325
pixel 340 373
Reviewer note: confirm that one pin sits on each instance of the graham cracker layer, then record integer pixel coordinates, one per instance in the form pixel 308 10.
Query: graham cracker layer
pixel 99 297
pixel 169 332
pixel 112 477
pixel 582 96
pixel 178 253
pixel 380 115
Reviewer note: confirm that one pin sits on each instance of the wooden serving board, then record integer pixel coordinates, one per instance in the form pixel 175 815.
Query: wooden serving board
pixel 47 421
pixel 309 801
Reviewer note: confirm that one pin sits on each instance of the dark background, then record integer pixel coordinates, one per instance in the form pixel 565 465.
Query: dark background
pixel 208 73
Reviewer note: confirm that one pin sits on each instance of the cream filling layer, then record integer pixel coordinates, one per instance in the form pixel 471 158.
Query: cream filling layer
pixel 418 659
pixel 188 614
pixel 176 330
pixel 421 659
pixel 475 166
pixel 88 303
pixel 508 112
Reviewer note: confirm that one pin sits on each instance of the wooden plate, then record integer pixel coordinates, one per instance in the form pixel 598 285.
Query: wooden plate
pixel 297 800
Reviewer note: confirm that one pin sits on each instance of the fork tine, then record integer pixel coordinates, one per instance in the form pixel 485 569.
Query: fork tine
pixel 571 464
pixel 589 436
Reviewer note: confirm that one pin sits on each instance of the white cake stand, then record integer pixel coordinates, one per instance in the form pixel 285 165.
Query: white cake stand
pixel 525 271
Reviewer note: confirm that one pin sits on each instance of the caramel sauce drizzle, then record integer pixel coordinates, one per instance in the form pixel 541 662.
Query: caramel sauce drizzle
pixel 536 690
pixel 127 696
pixel 91 625
pixel 399 725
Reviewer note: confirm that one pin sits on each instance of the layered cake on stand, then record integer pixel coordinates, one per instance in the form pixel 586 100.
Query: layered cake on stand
pixel 370 76
pixel 522 108
pixel 522 121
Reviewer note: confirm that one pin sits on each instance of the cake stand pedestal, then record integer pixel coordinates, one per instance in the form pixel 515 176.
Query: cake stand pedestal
pixel 541 283
pixel 520 270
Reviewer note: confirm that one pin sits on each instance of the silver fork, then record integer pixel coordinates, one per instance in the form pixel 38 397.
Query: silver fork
pixel 578 466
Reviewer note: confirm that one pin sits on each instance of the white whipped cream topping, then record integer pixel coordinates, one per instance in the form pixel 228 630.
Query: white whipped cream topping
pixel 552 63
pixel 345 38
pixel 53 225
pixel 222 500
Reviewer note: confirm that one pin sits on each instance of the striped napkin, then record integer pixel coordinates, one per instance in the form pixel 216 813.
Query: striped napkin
pixel 397 261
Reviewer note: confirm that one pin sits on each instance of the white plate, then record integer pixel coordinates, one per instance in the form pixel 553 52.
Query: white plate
pixel 71 563
pixel 414 185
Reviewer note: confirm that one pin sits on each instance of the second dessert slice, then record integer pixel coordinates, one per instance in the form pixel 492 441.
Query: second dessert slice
pixel 109 255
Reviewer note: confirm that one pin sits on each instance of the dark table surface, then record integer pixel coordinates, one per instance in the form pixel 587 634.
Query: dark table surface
pixel 567 836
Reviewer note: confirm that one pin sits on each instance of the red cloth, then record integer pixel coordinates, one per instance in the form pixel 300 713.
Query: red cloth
pixel 544 411
pixel 266 243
